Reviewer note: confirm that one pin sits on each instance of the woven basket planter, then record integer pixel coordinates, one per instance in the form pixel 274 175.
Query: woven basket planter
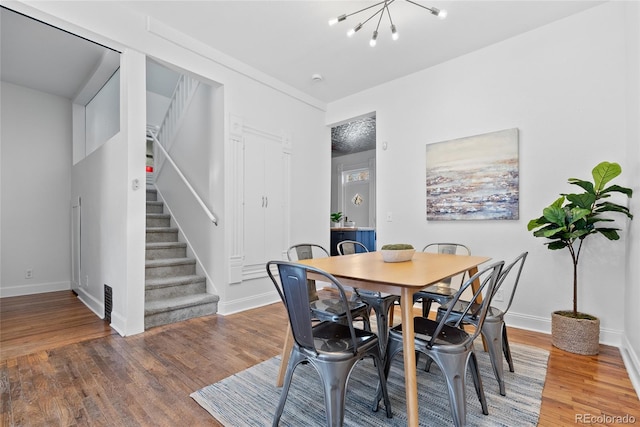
pixel 579 336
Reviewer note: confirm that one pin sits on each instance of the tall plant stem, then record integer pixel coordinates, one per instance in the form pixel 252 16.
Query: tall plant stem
pixel 575 257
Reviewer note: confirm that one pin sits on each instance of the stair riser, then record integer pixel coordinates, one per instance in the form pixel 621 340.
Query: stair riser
pixel 158 222
pixel 180 315
pixel 170 271
pixel 152 208
pixel 162 236
pixel 155 294
pixel 152 196
pixel 166 253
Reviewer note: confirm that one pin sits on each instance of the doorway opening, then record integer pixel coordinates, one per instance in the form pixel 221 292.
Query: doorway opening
pixel 353 172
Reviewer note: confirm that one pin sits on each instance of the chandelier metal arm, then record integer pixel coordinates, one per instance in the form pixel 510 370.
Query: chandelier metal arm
pixel 433 10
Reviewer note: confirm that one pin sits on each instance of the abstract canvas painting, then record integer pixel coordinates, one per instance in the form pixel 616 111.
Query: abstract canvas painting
pixel 474 178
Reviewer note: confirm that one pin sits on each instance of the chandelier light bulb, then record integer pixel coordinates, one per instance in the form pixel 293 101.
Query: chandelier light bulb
pixel 374 39
pixel 354 30
pixel 394 33
pixel 442 14
pixel 334 21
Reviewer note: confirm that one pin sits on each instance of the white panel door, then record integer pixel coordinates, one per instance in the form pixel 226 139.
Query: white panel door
pixel 263 200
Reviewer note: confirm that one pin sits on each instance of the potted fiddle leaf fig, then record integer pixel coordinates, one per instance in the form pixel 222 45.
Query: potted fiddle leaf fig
pixel 566 223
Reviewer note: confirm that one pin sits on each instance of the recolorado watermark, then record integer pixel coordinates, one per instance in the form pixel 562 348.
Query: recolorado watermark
pixel 604 419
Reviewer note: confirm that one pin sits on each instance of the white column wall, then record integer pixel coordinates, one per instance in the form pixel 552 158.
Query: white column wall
pixel 563 87
pixel 35 192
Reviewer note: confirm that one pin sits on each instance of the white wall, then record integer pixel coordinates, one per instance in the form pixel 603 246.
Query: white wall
pixel 631 345
pixel 36 183
pixel 563 87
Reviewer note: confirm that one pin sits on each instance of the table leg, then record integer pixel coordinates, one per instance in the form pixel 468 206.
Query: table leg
pixel 284 360
pixel 474 287
pixel 409 352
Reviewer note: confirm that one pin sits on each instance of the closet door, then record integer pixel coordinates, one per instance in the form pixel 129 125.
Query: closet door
pixel 263 201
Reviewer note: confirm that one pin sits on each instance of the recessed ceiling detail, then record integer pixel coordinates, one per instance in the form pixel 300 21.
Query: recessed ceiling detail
pixel 354 136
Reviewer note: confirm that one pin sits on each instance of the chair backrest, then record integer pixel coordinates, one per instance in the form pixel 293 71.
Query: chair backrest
pixel 488 278
pixel 292 287
pixel 514 278
pixel 306 251
pixel 448 248
pixel 348 247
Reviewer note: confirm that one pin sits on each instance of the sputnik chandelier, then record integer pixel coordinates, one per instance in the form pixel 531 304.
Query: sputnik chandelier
pixel 384 7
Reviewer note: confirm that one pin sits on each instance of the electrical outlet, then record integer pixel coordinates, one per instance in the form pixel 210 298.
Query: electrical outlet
pixel 28 274
pixel 498 296
pixel 86 281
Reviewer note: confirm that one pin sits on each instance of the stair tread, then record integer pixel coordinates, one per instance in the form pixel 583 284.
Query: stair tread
pixel 155 202
pixel 161 229
pixel 174 280
pixel 161 245
pixel 175 303
pixel 168 262
pixel 158 215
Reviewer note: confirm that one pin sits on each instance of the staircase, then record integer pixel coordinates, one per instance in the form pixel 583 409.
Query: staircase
pixel 173 290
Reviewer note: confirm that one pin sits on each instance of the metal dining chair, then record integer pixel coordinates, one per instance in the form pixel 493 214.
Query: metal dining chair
pixel 494 329
pixel 440 292
pixel 332 348
pixel 450 346
pixel 380 302
pixel 328 308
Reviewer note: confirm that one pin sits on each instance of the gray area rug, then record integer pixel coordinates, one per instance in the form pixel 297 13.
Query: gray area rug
pixel 250 397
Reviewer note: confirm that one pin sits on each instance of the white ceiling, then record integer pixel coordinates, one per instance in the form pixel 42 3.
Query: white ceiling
pixel 291 40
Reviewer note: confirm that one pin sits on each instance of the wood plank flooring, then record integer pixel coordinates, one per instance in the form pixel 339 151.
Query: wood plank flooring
pixel 62 366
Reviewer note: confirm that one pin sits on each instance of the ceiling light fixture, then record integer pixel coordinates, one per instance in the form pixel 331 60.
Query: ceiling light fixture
pixel 384 7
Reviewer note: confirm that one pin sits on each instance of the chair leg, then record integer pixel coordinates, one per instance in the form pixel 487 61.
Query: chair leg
pixel 334 380
pixel 453 368
pixel 382 386
pixel 505 347
pixel 294 360
pixel 393 348
pixel 426 307
pixel 491 331
pixel 477 382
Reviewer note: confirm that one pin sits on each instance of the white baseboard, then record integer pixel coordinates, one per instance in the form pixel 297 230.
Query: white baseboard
pixel 118 323
pixel 38 288
pixel 543 324
pixel 94 305
pixel 631 362
pixel 242 304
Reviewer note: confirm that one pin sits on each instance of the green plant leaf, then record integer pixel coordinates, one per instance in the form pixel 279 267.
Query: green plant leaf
pixel 612 207
pixel 618 189
pixel 584 200
pixel 603 173
pixel 538 222
pixel 586 185
pixel 554 214
pixel 557 245
pixel 609 233
pixel 576 214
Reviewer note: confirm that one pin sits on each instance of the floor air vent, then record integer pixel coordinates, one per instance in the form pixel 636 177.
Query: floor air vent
pixel 108 303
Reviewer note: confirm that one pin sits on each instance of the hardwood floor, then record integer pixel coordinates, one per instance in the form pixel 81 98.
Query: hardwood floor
pixel 62 366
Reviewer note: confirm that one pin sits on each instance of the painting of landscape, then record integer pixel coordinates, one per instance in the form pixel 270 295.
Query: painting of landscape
pixel 474 178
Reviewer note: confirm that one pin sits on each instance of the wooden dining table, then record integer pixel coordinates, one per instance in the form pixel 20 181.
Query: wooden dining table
pixel 369 271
